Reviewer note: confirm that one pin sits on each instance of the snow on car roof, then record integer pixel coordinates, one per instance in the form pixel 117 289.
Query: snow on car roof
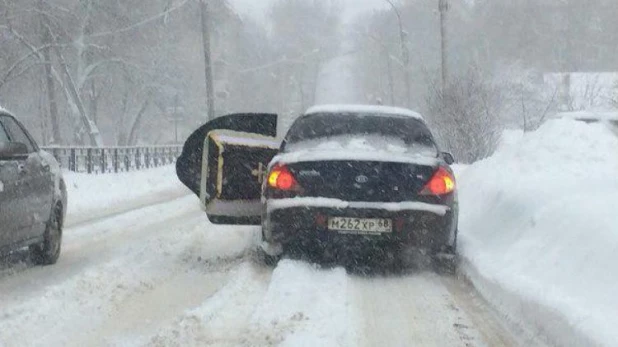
pixel 590 115
pixel 369 109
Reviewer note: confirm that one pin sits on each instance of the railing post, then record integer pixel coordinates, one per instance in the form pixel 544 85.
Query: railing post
pixel 72 160
pixel 127 163
pixel 115 160
pixel 147 157
pixel 138 159
pixel 89 162
pixel 103 162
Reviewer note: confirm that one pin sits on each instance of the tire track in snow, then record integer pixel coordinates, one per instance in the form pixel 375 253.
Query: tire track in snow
pixel 299 304
pixel 133 258
pixel 164 276
pixel 296 304
pixel 305 306
pixel 415 309
pixel 224 318
pixel 494 330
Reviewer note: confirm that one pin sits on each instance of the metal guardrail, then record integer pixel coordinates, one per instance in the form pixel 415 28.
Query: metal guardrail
pixel 94 160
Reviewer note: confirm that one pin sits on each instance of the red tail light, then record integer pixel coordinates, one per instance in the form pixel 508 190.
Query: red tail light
pixel 281 178
pixel 441 183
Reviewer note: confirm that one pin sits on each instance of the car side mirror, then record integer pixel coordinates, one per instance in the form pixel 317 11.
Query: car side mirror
pixel 448 158
pixel 13 150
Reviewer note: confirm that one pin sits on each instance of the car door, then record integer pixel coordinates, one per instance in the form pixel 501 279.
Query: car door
pixel 34 184
pixel 224 163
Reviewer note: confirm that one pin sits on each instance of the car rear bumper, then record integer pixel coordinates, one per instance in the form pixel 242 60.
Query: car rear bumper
pixel 418 225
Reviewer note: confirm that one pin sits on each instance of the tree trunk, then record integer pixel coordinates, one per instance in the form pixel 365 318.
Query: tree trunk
pixel 78 105
pixel 210 93
pixel 93 101
pixel 444 7
pixel 123 137
pixel 389 72
pixel 49 78
pixel 136 123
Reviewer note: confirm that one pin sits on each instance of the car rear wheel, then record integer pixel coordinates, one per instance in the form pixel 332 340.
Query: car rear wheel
pixel 266 259
pixel 48 252
pixel 262 256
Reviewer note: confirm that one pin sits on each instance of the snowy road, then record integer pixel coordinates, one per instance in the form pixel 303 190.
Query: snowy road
pixel 162 275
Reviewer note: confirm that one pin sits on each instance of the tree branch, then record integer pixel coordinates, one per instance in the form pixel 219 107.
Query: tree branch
pixel 141 23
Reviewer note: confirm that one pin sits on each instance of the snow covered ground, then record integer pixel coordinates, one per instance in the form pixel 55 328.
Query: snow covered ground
pixel 159 274
pixel 539 231
pixel 142 266
pixel 95 196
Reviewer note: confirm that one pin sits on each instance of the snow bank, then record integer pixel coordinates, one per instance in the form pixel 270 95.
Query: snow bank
pixel 94 196
pixel 295 305
pixel 307 305
pixel 539 231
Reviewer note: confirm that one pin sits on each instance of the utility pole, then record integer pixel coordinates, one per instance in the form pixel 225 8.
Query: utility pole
pixel 405 53
pixel 210 93
pixel 444 8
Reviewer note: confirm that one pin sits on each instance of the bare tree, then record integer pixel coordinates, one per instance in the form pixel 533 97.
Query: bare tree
pixel 467 115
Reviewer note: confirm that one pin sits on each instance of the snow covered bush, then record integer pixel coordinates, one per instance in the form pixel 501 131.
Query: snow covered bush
pixel 467 116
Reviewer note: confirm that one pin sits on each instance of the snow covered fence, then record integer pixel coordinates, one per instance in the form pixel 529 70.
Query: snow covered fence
pixel 114 159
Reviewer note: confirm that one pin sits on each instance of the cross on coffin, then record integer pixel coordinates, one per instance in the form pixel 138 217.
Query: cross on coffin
pixel 260 172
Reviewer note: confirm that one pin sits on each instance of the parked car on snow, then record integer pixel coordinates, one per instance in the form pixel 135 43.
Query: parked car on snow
pixel 346 180
pixel 33 196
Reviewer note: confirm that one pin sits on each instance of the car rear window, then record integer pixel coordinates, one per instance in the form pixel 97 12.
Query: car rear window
pixel 17 133
pixel 3 136
pixel 316 128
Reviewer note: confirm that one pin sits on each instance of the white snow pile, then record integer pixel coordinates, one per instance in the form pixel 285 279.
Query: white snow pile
pixel 539 231
pixel 297 305
pixel 95 196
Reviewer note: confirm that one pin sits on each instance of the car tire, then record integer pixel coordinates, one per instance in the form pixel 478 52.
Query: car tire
pixel 48 252
pixel 445 261
pixel 266 259
pixel 445 264
pixel 261 256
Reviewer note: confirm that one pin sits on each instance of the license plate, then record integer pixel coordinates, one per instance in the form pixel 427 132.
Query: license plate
pixel 362 226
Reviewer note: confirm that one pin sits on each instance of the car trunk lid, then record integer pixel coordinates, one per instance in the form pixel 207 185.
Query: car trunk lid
pixel 351 180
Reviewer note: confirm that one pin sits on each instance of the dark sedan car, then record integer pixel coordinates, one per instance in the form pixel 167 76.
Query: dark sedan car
pixel 363 180
pixel 360 181
pixel 33 196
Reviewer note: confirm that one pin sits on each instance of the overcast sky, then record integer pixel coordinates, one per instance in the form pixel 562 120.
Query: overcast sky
pixel 258 8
